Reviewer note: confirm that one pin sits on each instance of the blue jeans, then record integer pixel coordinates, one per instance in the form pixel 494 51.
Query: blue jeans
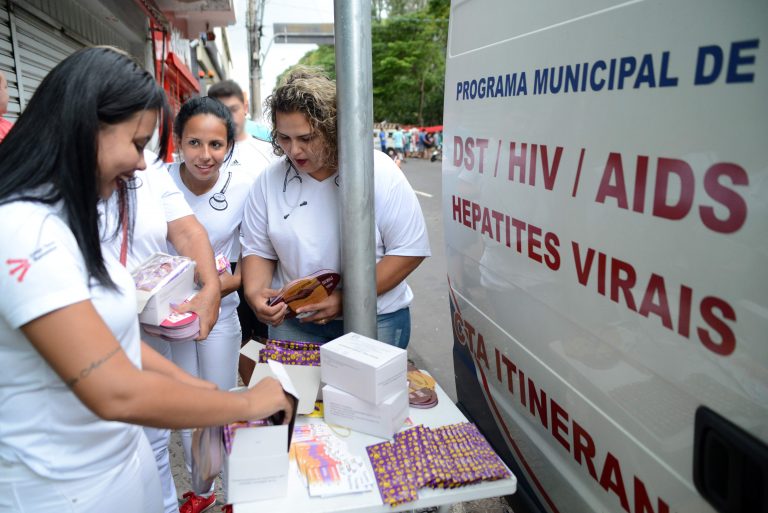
pixel 393 328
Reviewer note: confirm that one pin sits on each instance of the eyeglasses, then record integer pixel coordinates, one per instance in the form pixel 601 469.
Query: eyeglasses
pixel 219 200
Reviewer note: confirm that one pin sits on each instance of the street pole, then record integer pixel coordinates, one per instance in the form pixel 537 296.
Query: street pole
pixel 352 19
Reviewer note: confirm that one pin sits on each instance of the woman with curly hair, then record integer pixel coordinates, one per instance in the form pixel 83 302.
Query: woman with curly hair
pixel 291 223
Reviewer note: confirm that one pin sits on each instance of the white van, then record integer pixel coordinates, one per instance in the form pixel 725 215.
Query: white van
pixel 605 196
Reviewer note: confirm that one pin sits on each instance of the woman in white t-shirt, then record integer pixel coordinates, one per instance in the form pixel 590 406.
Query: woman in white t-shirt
pixel 204 134
pixel 291 223
pixel 76 379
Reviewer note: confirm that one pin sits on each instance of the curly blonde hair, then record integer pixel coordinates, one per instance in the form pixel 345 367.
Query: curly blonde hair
pixel 309 91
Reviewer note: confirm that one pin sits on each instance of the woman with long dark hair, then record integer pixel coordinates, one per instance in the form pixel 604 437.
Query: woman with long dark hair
pixel 76 378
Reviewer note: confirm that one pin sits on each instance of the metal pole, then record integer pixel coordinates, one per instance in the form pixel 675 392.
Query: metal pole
pixel 352 19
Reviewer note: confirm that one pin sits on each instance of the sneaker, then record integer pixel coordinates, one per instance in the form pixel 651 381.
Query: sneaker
pixel 197 503
pixel 226 508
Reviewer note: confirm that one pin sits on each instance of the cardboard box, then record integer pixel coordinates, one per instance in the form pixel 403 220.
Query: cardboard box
pixel 383 419
pixel 361 366
pixel 305 379
pixel 257 468
pixel 177 290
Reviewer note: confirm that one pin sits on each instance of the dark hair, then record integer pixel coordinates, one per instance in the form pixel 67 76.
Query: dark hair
pixel 225 89
pixel 50 154
pixel 205 105
pixel 309 91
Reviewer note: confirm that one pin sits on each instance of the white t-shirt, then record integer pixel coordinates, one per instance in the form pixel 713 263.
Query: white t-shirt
pixel 158 202
pixel 42 423
pixel 250 156
pixel 295 220
pixel 222 224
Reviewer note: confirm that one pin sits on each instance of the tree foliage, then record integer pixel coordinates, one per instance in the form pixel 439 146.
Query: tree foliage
pixel 409 40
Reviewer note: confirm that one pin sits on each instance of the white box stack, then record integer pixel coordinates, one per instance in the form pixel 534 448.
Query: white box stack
pixel 366 385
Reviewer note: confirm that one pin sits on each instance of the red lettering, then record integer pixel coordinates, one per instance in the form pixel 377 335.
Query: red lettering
pixel 655 289
pixel 550 175
pixel 538 403
pixel 517 161
pixel 610 479
pixel 684 316
pixel 727 343
pixel 623 283
pixel 533 242
pixel 498 217
pixel 676 210
pixel 465 213
pixel 519 228
pixel 552 258
pixel 643 502
pixel 486 229
pixel 475 215
pixel 641 174
pixel 582 268
pixel 729 198
pixel 613 168
pixel 583 445
pixel 481 354
pixel 511 369
pixel 559 426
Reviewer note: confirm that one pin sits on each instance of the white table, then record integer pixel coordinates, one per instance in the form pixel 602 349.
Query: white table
pixel 297 499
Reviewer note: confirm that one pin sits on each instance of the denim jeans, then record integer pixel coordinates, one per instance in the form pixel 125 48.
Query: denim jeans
pixel 393 328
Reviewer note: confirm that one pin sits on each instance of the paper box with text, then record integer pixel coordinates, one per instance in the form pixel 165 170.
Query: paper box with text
pixel 363 367
pixel 256 467
pixel 383 419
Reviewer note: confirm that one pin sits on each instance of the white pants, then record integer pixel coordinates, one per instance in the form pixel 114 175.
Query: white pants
pixel 213 359
pixel 130 487
pixel 159 438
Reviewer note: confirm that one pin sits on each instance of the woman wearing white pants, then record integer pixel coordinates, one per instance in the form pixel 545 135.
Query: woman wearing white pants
pixel 205 135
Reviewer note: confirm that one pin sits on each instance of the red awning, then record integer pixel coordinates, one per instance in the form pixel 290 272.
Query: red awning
pixel 433 129
pixel 176 65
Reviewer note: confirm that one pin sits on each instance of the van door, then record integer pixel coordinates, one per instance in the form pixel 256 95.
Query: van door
pixel 605 194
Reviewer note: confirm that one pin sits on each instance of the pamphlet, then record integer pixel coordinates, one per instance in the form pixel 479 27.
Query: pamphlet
pixel 306 291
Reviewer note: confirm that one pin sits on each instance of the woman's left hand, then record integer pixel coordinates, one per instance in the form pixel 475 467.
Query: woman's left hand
pixel 229 283
pixel 325 311
pixel 206 305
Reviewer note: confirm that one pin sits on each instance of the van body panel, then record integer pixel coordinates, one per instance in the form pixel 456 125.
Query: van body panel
pixel 605 200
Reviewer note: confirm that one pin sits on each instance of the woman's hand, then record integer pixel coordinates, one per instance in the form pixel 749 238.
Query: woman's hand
pixel 268 398
pixel 269 315
pixel 229 283
pixel 325 311
pixel 206 305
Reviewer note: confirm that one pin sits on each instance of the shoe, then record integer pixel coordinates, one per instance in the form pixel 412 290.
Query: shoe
pixel 226 508
pixel 197 503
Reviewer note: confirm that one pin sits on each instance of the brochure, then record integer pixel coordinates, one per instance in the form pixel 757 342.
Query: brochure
pixel 306 291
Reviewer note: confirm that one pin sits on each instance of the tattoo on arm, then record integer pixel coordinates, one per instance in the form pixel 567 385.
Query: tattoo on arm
pixel 84 373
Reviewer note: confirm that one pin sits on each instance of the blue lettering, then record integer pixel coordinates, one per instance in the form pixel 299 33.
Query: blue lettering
pixel 664 79
pixel 645 73
pixel 597 85
pixel 707 74
pixel 626 68
pixel 736 59
pixel 540 81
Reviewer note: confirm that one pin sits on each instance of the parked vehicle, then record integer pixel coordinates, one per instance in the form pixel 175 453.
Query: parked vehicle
pixel 605 194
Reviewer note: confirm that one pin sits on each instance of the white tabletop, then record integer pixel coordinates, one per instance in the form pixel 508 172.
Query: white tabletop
pixel 297 499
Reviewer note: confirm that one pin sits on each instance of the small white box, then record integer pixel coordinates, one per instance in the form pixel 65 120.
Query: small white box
pixel 257 468
pixel 158 307
pixel 361 366
pixel 383 419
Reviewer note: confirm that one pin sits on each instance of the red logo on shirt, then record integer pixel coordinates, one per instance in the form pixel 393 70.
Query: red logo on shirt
pixel 21 266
